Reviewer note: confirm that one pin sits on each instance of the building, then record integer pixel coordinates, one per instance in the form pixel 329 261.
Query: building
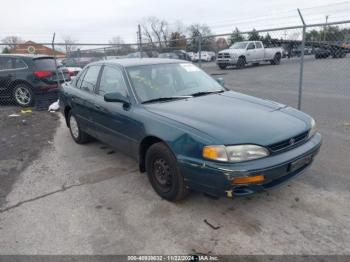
pixel 31 47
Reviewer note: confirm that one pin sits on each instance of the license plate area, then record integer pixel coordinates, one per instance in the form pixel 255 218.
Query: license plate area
pixel 300 163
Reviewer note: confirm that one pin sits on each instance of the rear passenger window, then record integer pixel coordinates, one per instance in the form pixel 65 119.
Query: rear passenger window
pixel 258 45
pixel 5 63
pixel 19 64
pixel 112 81
pixel 90 79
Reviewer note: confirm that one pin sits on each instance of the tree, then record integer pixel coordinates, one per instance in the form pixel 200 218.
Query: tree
pixel 197 30
pixel 69 44
pixel 155 31
pixel 221 44
pixel 6 50
pixel 12 41
pixel 254 36
pixel 313 35
pixel 117 40
pixel 236 36
pixel 177 40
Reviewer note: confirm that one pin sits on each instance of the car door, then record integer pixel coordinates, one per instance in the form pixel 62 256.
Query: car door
pixel 83 98
pixel 114 121
pixel 251 52
pixel 259 51
pixel 7 74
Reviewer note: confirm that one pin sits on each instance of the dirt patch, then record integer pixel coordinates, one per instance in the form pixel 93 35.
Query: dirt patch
pixel 22 137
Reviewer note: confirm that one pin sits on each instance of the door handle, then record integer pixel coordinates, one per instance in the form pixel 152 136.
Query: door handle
pixel 97 106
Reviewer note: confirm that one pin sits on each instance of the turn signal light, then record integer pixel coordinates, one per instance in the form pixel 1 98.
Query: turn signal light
pixel 248 179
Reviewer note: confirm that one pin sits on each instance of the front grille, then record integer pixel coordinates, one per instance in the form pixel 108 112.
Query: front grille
pixel 293 141
pixel 224 55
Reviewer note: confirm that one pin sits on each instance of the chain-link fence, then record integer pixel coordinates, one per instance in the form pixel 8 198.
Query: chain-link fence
pixel 288 59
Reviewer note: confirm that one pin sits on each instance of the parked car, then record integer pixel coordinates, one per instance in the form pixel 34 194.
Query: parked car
pixel 205 56
pixel 182 54
pixel 23 77
pixel 137 55
pixel 327 51
pixel 72 71
pixel 80 62
pixel 191 55
pixel 169 55
pixel 186 130
pixel 242 53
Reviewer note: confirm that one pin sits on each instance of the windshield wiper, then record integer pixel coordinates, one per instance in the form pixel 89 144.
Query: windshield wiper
pixel 207 93
pixel 161 99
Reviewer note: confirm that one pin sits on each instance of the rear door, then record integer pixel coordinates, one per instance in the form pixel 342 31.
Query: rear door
pixel 83 98
pixel 7 74
pixel 259 51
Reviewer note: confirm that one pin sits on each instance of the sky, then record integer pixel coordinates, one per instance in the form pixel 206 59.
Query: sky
pixel 89 21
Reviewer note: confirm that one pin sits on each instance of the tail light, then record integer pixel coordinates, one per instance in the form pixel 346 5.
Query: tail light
pixel 71 73
pixel 43 74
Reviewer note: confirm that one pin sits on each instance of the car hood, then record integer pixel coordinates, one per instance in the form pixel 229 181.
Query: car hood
pixel 236 52
pixel 233 118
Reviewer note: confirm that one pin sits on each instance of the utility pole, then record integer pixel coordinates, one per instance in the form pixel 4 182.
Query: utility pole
pixel 140 39
pixel 325 28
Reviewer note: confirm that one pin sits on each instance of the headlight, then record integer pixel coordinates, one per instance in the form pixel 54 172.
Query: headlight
pixel 234 153
pixel 313 130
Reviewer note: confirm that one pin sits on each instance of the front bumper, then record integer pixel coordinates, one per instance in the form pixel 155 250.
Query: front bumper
pixel 226 61
pixel 216 178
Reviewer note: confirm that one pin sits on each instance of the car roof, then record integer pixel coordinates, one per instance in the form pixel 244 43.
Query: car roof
pixel 26 56
pixel 129 62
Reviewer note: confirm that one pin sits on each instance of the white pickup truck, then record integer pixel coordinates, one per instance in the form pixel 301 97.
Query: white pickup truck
pixel 242 53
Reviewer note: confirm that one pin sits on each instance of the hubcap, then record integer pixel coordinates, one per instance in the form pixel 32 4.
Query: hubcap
pixel 22 95
pixel 162 173
pixel 74 127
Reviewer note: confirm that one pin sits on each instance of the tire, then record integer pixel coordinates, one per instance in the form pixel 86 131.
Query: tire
pixel 241 62
pixel 276 59
pixel 23 95
pixel 164 174
pixel 221 66
pixel 79 136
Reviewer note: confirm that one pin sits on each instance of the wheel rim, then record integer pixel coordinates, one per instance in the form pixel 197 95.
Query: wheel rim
pixel 74 127
pixel 162 174
pixel 22 95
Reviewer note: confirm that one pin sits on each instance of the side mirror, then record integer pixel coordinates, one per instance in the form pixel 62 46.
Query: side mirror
pixel 221 81
pixel 117 97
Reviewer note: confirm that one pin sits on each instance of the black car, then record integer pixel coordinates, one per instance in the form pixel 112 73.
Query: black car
pixel 24 77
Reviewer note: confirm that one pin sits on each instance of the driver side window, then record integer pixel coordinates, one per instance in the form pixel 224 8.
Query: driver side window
pixel 112 81
pixel 251 46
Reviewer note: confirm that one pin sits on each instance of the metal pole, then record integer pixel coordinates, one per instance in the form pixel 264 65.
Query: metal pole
pixel 301 76
pixel 140 39
pixel 200 49
pixel 54 55
pixel 325 28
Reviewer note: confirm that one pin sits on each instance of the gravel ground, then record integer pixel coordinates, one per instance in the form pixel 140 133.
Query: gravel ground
pixel 91 199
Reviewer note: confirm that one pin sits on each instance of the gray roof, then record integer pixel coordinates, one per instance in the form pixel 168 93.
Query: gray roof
pixel 128 62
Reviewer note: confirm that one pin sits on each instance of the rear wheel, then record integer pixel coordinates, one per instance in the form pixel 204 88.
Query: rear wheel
pixel 23 95
pixel 222 66
pixel 241 62
pixel 164 174
pixel 77 134
pixel 276 59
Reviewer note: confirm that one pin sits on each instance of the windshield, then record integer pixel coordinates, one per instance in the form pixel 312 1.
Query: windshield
pixel 239 45
pixel 170 80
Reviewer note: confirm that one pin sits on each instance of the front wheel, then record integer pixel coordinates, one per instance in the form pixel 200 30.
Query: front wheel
pixel 23 95
pixel 164 174
pixel 79 136
pixel 241 63
pixel 276 59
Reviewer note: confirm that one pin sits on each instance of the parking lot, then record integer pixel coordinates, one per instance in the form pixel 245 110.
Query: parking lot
pixel 90 199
